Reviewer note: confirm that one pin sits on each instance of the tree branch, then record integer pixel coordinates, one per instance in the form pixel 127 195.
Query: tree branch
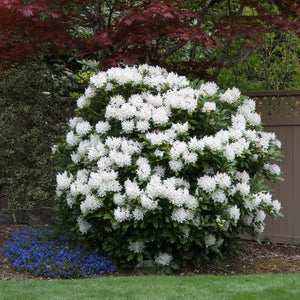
pixel 172 50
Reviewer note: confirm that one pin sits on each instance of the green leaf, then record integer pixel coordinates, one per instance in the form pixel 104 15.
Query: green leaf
pixel 140 257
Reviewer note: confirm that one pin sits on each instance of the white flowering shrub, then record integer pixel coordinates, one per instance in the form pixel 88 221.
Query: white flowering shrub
pixel 157 169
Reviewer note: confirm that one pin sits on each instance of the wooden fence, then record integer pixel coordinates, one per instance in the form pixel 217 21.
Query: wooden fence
pixel 280 112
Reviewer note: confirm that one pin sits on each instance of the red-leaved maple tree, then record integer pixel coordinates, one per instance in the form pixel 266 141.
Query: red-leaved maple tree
pixel 184 36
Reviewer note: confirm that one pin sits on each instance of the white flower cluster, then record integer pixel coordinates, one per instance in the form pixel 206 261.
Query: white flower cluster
pixel 136 247
pixel 163 259
pixel 146 156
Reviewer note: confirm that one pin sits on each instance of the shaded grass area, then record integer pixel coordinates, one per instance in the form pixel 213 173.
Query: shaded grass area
pixel 268 286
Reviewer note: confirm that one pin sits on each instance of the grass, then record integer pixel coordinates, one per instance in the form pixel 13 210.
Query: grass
pixel 268 286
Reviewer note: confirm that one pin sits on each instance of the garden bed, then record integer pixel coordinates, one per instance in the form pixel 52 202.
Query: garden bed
pixel 258 258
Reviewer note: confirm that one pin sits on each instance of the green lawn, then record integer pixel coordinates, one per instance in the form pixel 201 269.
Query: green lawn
pixel 269 286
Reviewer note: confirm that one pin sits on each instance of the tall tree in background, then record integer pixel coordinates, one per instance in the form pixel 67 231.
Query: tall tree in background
pixel 206 35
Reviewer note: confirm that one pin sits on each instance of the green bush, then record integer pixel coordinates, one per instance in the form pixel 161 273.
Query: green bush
pixel 154 169
pixel 30 122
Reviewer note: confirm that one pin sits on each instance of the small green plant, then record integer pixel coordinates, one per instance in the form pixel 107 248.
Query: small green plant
pixel 156 169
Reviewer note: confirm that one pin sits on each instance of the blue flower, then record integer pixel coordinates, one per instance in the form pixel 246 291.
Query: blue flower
pixel 42 254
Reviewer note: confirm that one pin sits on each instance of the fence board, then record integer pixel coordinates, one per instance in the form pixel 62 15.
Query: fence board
pixel 280 112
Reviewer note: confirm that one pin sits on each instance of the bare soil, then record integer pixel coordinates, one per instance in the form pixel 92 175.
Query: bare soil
pixel 256 259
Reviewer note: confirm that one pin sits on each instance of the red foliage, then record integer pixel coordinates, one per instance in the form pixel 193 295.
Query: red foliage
pixel 150 32
pixel 140 35
pixel 26 29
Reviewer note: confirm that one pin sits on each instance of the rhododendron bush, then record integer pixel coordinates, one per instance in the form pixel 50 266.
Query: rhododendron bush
pixel 157 168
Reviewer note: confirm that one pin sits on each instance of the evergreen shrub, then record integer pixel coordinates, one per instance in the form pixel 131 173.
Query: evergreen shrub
pixel 31 120
pixel 158 168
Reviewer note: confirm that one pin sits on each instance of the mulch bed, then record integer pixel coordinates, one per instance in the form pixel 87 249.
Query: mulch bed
pixel 256 259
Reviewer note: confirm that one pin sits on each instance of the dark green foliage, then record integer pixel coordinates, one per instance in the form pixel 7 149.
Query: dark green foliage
pixel 30 123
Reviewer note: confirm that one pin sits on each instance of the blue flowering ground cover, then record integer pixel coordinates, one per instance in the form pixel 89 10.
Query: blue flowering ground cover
pixel 43 253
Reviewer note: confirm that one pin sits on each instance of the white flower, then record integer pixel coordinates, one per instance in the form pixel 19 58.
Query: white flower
pixel 208 107
pixel 102 127
pixel 104 163
pixel 98 80
pixel 223 136
pixel 196 145
pixel 210 240
pixel 154 187
pixel 74 121
pixel 191 202
pixel 212 143
pixel 72 139
pixel 138 214
pixel 230 95
pixel 207 183
pixel 148 203
pixel 126 111
pixel 127 126
pixel 119 158
pixel 178 148
pixel 132 189
pixel 89 91
pixel 253 119
pixel 163 259
pixel 158 153
pixel 119 199
pixel 83 101
pixel 260 216
pixel 251 135
pixel 84 226
pixel 79 188
pixel 121 214
pixel 82 176
pixel 265 197
pixel 243 176
pixel 63 181
pixel 277 143
pixel 243 188
pixel 82 128
pixel 83 147
pixel 223 180
pixel 219 196
pixel 96 151
pixel 180 215
pixel 238 122
pixel 273 169
pixel 208 89
pixel 228 153
pixel 90 203
pixel 276 206
pixel 54 148
pixel 180 128
pixel 251 204
pixel 144 168
pixel 159 171
pixel 136 100
pixel 136 247
pixel 142 126
pixel 183 99
pixel 70 201
pixel 175 165
pixel 75 157
pixel 123 76
pixel 155 100
pixel 234 213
